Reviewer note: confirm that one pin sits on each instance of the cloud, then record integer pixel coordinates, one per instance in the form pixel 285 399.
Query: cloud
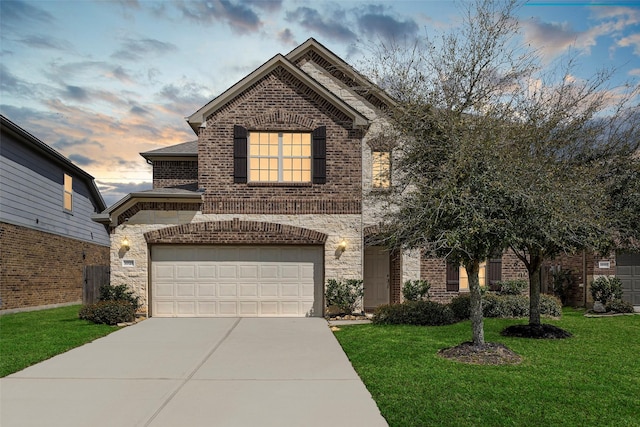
pixel 240 17
pixel 139 111
pixel 632 40
pixel 267 5
pixel 19 13
pixel 136 49
pixel 286 37
pixel 113 191
pixel 13 85
pixel 552 38
pixel 75 92
pixel 121 74
pixel 46 42
pixel 331 26
pixel 80 160
pixel 187 97
pixel 66 143
pixel 373 21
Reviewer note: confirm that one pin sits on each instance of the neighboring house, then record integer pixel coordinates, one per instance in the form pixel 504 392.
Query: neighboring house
pixel 587 266
pixel 272 200
pixel 47 236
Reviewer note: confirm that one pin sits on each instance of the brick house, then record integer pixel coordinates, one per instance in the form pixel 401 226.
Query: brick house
pixel 271 201
pixel 47 236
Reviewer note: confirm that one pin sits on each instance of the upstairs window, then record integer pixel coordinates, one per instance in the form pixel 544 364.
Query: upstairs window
pixel 381 169
pixel 279 157
pixel 68 193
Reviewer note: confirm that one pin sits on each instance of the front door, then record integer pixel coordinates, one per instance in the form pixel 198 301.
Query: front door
pixel 376 276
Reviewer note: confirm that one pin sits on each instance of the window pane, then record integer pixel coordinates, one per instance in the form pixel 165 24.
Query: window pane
pixel 68 186
pixel 306 150
pixel 68 201
pixel 277 156
pixel 306 164
pixel 287 176
pixel 254 175
pixel 273 176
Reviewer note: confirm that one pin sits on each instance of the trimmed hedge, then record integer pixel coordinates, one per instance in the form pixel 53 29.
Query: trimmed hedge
pixel 619 306
pixel 422 313
pixel 109 312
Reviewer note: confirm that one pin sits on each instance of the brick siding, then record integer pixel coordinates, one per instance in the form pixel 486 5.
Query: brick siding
pixel 175 174
pixel 236 232
pixel 279 102
pixel 38 268
pixel 434 270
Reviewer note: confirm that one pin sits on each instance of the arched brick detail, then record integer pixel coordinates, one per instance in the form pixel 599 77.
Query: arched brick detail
pixel 281 116
pixel 236 232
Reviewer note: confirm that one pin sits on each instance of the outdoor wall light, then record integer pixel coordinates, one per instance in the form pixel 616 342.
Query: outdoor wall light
pixel 342 246
pixel 125 244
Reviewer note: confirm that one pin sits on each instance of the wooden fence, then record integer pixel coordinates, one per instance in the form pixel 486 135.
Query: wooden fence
pixel 94 277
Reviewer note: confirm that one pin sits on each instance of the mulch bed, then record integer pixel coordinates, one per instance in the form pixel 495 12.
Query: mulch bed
pixel 486 354
pixel 543 331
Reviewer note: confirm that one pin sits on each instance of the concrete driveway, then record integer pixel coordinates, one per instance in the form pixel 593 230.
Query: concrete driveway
pixel 195 372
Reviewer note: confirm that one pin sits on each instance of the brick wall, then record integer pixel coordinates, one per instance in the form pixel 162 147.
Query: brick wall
pixel 175 174
pixel 434 270
pixel 279 102
pixel 38 268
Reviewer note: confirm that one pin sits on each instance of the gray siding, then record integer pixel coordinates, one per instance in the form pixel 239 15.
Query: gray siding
pixel 31 195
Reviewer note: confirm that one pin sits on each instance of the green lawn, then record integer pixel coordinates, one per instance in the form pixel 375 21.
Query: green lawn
pixel 30 337
pixel 588 380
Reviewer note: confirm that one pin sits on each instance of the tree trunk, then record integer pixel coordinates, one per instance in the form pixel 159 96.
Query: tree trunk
pixel 477 325
pixel 535 266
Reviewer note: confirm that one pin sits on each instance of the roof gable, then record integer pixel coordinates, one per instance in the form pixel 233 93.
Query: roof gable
pixel 341 70
pixel 185 149
pixel 198 118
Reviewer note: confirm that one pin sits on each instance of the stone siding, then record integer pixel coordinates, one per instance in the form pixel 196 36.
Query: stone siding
pixel 43 269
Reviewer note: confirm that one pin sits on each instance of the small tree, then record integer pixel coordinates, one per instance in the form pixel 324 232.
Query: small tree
pixel 414 290
pixel 346 294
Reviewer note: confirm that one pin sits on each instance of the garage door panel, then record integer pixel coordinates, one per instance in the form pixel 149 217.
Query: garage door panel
pixel 268 290
pixel 236 281
pixel 248 271
pixel 206 290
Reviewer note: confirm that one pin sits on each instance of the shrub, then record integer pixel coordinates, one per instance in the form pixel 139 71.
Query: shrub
pixel 511 287
pixel 460 306
pixel 605 289
pixel 119 293
pixel 505 306
pixel 414 290
pixel 619 306
pixel 422 313
pixel 108 312
pixel 344 294
pixel 550 306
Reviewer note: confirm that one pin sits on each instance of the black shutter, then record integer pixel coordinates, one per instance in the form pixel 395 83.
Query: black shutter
pixel 319 150
pixel 239 154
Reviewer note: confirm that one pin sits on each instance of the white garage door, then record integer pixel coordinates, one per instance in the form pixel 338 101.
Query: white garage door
pixel 252 281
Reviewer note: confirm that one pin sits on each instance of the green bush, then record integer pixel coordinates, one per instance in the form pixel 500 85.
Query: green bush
pixel 119 293
pixel 550 306
pixel 505 306
pixel 108 312
pixel 511 287
pixel 422 313
pixel 605 289
pixel 414 290
pixel 345 295
pixel 619 306
pixel 460 305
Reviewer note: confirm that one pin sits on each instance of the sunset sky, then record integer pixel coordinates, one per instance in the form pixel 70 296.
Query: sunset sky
pixel 101 81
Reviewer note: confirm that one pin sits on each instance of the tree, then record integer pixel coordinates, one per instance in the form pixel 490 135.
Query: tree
pixel 495 152
pixel 448 193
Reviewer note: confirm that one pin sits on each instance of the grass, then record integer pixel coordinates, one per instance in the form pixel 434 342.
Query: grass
pixel 31 337
pixel 590 379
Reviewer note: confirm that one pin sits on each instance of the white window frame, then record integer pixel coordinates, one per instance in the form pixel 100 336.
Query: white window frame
pixel 280 158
